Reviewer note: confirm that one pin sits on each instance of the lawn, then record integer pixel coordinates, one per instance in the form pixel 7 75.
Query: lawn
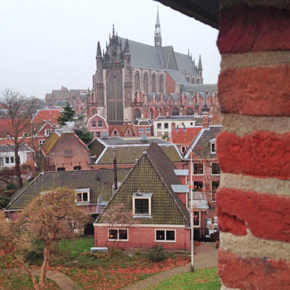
pixel 205 279
pixel 102 271
pixel 20 281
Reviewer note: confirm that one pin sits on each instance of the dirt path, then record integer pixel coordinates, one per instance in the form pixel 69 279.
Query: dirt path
pixel 62 280
pixel 205 257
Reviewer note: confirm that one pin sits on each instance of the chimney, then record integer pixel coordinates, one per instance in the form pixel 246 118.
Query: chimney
pixel 205 115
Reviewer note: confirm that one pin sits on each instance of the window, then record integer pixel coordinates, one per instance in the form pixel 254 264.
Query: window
pixel 11 159
pixel 41 142
pixel 215 169
pixel 158 125
pixel 212 146
pixel 183 149
pixel 60 169
pixel 118 235
pixel 142 204
pixel 141 130
pixel 82 195
pixel 47 132
pixel 94 124
pixel 214 187
pixel 115 132
pixel 196 219
pixel 1 162
pixel 198 168
pixel 77 168
pixel 147 130
pixel 68 153
pixel 197 185
pixel 165 236
pixel 100 124
pixel 98 134
pixel 7 160
pixel 25 134
pixel 165 125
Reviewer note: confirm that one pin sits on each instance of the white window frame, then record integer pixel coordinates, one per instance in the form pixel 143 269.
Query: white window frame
pixel 100 122
pixel 165 241
pixel 147 130
pixel 47 132
pixel 142 196
pixel 202 168
pixel 82 190
pixel 211 169
pixel 118 239
pixel 41 142
pixel 94 124
pixel 212 142
pixel 199 219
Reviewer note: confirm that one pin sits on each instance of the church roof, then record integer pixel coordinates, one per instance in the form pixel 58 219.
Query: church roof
pixel 158 58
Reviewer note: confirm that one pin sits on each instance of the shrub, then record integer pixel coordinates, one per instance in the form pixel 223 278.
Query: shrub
pixel 156 254
pixel 11 186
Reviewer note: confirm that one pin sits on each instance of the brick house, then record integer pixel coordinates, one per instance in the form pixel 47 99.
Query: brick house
pixel 206 172
pixel 98 126
pixel 155 196
pixel 92 188
pixel 65 151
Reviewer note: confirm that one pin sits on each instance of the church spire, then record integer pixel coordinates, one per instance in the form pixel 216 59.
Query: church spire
pixel 157 35
pixel 199 63
pixel 99 52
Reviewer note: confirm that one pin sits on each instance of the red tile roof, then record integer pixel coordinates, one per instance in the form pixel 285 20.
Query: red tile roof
pixel 122 129
pixel 5 128
pixel 48 115
pixel 184 136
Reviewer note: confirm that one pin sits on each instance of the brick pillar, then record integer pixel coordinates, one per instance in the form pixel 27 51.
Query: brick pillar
pixel 254 148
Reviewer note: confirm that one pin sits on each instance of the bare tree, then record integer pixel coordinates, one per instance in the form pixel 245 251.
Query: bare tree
pixel 19 112
pixel 119 219
pixel 49 218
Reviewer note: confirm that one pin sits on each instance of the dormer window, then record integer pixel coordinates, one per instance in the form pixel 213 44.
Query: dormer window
pixel 82 196
pixel 141 204
pixel 212 144
pixel 100 124
pixel 94 124
pixel 47 132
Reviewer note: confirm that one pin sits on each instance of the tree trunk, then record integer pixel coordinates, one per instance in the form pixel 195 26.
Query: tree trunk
pixel 17 167
pixel 46 256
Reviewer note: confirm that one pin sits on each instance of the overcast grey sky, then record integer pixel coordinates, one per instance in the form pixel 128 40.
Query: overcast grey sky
pixel 45 44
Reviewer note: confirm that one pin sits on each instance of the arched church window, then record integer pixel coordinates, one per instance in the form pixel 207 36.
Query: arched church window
pixel 175 111
pixel 137 114
pixel 161 84
pixel 153 83
pixel 189 111
pixel 145 82
pixel 137 81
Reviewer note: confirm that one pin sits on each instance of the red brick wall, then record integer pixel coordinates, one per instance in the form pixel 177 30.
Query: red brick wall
pixel 143 238
pixel 170 84
pixel 253 199
pixel 80 156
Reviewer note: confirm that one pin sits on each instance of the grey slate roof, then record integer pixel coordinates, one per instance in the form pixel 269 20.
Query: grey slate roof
pixel 127 141
pixel 163 58
pixel 153 173
pixel 99 181
pixel 10 148
pixel 194 88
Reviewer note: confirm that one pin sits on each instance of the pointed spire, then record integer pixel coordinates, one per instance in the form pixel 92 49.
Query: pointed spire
pixel 99 52
pixel 199 63
pixel 157 35
pixel 113 29
pixel 157 18
pixel 126 47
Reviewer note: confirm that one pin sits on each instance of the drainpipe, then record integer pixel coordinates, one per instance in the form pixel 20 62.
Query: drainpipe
pixel 115 169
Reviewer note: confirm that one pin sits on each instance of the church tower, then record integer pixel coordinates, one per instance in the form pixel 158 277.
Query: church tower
pixel 157 35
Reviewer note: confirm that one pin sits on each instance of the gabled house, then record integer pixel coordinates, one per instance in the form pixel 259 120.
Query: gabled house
pixel 206 172
pixel 157 200
pixel 98 126
pixel 65 151
pixel 92 188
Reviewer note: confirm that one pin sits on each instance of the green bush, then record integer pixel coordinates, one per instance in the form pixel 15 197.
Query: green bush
pixel 11 186
pixel 156 254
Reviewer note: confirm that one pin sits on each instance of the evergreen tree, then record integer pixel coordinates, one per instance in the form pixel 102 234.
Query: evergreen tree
pixel 84 134
pixel 67 115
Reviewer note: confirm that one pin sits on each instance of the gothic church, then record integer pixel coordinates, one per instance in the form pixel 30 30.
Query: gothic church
pixel 135 80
